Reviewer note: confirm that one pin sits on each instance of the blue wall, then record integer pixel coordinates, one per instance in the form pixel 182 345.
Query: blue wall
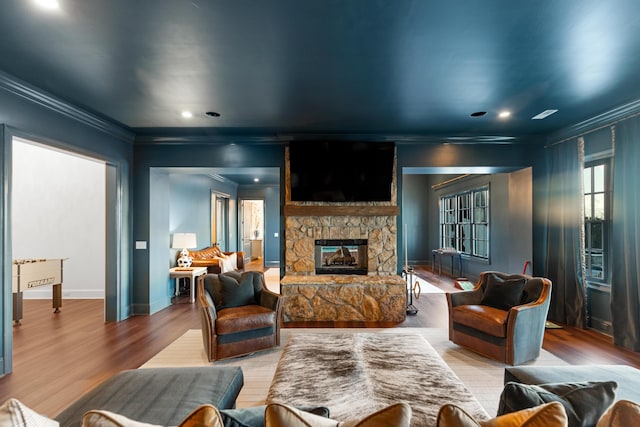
pixel 150 266
pixel 40 117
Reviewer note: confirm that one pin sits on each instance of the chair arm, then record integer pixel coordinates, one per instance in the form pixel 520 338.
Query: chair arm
pixel 473 296
pixel 269 299
pixel 205 299
pixel 525 327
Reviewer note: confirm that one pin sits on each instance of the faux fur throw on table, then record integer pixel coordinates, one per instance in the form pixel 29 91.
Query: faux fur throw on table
pixel 356 374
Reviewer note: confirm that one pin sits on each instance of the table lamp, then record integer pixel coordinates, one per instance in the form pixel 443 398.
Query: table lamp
pixel 184 241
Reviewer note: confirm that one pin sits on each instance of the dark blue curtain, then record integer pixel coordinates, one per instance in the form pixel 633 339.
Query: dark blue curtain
pixel 565 233
pixel 625 302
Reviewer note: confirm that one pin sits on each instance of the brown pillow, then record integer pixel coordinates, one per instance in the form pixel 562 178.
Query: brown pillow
pixel 277 415
pixel 623 413
pixel 202 416
pixel 548 415
pixel 502 294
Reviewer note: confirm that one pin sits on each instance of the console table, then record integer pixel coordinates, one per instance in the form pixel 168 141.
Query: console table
pixel 439 253
pixel 190 273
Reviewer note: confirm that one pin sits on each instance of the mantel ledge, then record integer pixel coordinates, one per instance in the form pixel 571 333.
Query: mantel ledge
pixel 341 279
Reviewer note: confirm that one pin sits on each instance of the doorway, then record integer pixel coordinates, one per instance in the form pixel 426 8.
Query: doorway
pixel 252 230
pixel 59 212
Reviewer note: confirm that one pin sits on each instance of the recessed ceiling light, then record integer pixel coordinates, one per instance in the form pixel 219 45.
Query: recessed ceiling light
pixel 504 114
pixel 48 4
pixel 187 114
pixel 544 114
pixel 256 179
pixel 478 114
pixel 212 114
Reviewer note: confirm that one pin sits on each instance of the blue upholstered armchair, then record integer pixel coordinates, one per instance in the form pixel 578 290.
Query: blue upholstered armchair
pixel 502 317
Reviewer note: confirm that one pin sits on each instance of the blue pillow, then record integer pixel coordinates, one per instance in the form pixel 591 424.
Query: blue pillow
pixel 584 402
pixel 235 293
pixel 502 294
pixel 254 416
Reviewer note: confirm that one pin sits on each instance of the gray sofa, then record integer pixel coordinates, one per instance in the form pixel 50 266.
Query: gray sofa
pixel 162 396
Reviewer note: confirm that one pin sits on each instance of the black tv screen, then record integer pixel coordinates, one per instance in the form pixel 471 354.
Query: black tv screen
pixel 341 171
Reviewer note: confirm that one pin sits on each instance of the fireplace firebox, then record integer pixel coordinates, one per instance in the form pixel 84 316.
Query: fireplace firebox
pixel 341 256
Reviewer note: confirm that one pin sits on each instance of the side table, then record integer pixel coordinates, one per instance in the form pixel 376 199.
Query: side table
pixel 190 273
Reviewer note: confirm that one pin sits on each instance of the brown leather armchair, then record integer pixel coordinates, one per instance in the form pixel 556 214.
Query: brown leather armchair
pixel 239 314
pixel 502 317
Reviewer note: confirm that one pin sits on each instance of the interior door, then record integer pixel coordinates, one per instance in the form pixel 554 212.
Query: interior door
pixel 245 228
pixel 219 220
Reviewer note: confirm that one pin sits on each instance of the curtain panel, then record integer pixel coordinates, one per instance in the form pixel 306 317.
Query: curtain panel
pixel 565 232
pixel 625 278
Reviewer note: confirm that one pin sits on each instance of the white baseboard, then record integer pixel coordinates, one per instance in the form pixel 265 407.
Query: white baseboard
pixel 66 294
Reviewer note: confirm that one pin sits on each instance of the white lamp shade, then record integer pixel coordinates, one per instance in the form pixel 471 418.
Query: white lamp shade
pixel 184 240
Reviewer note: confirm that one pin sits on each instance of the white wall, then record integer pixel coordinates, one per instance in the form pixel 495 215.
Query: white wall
pixel 58 211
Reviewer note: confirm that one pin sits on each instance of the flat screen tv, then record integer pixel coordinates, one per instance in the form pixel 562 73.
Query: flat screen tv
pixel 341 171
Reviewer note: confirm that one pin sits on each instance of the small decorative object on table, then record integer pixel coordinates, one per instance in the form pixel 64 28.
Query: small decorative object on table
pixel 184 241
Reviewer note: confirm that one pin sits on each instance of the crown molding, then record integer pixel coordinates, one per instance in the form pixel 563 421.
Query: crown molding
pixel 206 140
pixel 607 118
pixel 43 99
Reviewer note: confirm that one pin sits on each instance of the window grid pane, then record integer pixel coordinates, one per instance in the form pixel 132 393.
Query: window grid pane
pixel 596 200
pixel 464 222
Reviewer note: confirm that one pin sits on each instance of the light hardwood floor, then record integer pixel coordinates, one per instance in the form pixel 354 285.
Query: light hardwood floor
pixel 59 357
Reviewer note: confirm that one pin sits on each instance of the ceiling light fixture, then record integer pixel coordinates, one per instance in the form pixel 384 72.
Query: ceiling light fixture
pixel 478 114
pixel 544 114
pixel 48 4
pixel 187 114
pixel 256 179
pixel 504 114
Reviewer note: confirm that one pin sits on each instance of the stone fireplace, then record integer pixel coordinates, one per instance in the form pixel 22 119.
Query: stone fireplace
pixel 365 288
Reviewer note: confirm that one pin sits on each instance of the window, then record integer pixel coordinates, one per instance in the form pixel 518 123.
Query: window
pixel 464 222
pixel 597 197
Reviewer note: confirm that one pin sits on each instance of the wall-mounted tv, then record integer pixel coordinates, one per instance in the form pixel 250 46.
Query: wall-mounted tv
pixel 341 171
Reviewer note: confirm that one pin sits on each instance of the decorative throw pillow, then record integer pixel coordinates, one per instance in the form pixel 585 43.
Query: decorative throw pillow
pixel 502 294
pixel 231 262
pixel 234 293
pixel 584 402
pixel 623 413
pixel 254 415
pixel 202 416
pixel 547 415
pixel 15 413
pixel 277 415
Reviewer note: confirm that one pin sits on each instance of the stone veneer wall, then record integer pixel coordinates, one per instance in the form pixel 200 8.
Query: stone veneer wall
pixel 347 298
pixel 380 232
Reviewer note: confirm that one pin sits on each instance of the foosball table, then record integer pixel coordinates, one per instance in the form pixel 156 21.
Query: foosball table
pixel 33 273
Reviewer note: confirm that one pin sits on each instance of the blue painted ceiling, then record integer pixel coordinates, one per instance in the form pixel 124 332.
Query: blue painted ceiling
pixel 277 68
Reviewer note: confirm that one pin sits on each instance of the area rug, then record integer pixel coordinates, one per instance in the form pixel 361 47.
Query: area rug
pixel 482 376
pixel 366 372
